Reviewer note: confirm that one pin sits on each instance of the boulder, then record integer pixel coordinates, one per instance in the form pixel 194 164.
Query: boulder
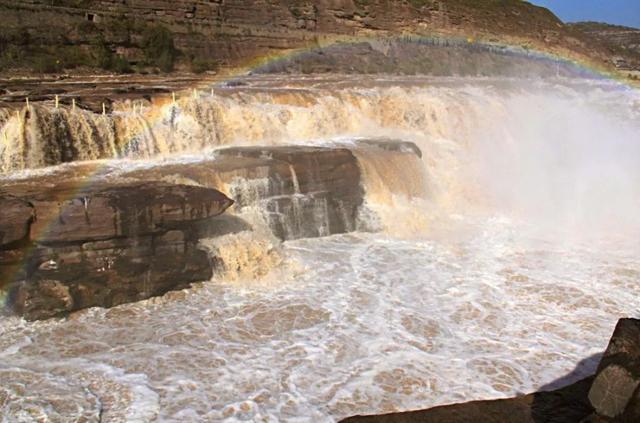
pixel 615 391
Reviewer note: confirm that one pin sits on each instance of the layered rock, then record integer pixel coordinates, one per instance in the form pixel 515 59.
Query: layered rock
pixel 300 191
pixel 611 395
pixel 73 248
pixel 622 42
pixel 135 234
pixel 239 30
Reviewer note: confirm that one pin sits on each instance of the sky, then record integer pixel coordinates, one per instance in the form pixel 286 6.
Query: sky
pixel 620 12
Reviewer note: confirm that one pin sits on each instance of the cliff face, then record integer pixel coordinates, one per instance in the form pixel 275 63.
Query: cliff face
pixel 233 31
pixel 621 42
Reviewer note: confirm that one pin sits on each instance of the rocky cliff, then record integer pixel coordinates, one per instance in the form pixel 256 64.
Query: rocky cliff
pixel 622 43
pixel 232 32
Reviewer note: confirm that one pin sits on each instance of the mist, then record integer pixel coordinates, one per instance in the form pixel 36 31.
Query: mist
pixel 567 162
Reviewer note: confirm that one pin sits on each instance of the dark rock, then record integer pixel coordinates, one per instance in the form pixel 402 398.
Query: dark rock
pixel 68 215
pixel 615 392
pixel 611 395
pixel 107 245
pixel 567 404
pixel 45 298
pixel 612 390
pixel 624 347
pixel 16 218
pixel 108 273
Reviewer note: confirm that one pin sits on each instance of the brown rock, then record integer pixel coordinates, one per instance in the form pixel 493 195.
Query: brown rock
pixel 108 245
pixel 44 298
pixel 612 390
pixel 16 217
pixel 616 390
pixel 309 191
pixel 565 405
pixel 66 215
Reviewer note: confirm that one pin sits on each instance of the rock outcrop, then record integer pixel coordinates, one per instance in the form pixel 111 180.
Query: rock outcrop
pixel 621 42
pixel 65 248
pixel 235 31
pixel 611 395
pixel 299 191
pixel 614 393
pixel 134 234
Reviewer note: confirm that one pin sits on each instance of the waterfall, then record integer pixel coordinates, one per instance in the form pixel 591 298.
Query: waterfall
pixel 490 143
pixel 44 136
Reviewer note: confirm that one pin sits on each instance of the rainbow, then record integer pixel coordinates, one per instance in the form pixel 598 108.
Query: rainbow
pixel 561 58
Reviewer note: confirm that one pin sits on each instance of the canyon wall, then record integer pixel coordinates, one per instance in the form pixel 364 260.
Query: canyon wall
pixel 234 31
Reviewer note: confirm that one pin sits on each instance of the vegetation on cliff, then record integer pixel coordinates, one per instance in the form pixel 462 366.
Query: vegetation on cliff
pixel 166 35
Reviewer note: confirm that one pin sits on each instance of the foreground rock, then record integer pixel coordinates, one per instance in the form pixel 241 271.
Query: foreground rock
pixel 65 248
pixel 611 395
pixel 614 393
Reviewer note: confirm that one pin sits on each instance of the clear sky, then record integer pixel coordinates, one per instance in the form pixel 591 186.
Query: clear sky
pixel 620 12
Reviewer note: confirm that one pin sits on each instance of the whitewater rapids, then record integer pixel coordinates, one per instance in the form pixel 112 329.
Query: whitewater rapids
pixel 505 274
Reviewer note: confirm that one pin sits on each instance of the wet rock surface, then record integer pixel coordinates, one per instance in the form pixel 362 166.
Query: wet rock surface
pixel 301 191
pixel 611 395
pixel 103 245
pixel 107 235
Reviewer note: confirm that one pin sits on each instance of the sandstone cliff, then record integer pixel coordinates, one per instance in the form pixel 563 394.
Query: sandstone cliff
pixel 232 32
pixel 622 43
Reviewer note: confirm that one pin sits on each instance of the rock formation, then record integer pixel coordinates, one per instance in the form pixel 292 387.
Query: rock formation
pixel 611 395
pixel 101 238
pixel 65 248
pixel 235 31
pixel 621 42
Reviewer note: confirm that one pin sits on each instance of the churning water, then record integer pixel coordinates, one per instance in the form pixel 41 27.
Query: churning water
pixel 501 273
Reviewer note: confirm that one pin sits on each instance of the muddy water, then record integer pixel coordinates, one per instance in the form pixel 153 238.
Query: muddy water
pixel 350 324
pixel 495 269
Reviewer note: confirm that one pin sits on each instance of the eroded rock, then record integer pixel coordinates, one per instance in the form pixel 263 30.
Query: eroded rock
pixel 107 245
pixel 17 215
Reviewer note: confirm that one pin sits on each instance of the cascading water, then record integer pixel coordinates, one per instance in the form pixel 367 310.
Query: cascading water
pixel 503 257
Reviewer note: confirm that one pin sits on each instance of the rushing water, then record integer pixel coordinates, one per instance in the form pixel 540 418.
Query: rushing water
pixel 502 274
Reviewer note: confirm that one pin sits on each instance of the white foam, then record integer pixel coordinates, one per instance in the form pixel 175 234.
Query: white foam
pixel 480 303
